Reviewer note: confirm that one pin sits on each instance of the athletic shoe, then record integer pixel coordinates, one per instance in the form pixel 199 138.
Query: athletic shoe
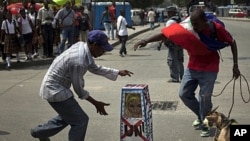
pixel 197 124
pixel 40 139
pixel 205 132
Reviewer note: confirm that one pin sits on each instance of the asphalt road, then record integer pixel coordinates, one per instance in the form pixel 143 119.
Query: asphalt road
pixel 21 108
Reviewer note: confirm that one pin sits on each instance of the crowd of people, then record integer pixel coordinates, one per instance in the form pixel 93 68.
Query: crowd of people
pixel 49 27
pixel 55 29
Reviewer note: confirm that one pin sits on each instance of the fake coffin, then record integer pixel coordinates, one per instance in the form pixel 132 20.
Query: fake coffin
pixel 136 113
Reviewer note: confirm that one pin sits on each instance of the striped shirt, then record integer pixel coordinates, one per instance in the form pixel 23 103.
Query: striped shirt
pixel 69 68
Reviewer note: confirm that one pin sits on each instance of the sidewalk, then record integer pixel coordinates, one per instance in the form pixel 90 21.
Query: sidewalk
pixel 43 61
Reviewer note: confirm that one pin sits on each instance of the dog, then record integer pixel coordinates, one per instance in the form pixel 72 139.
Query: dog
pixel 222 124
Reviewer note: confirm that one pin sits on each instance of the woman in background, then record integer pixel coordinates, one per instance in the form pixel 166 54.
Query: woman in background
pixel 11 45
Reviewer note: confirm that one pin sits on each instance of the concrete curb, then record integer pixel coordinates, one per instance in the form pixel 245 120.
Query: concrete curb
pixel 235 19
pixel 47 61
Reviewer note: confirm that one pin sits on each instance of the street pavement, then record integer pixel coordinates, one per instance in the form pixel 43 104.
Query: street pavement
pixel 21 108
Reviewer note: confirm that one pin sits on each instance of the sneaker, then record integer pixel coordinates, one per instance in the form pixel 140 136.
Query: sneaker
pixel 40 139
pixel 28 59
pixel 35 55
pixel 205 132
pixel 197 124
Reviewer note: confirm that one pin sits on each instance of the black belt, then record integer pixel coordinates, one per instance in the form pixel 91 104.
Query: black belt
pixel 107 21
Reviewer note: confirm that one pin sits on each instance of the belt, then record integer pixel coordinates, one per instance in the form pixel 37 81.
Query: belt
pixel 107 21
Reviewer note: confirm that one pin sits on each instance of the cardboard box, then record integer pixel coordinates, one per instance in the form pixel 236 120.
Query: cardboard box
pixel 136 113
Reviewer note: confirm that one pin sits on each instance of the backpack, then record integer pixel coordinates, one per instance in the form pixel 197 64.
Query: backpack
pixel 84 25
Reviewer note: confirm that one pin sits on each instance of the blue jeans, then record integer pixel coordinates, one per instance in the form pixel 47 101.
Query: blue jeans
pixel 67 33
pixel 151 25
pixel 70 113
pixel 191 80
pixel 112 31
pixel 107 26
pixel 175 62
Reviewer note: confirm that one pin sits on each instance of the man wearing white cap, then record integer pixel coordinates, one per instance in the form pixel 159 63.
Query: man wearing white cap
pixel 66 70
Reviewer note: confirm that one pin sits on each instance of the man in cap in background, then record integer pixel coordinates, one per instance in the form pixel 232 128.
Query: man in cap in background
pixel 69 68
pixel 175 53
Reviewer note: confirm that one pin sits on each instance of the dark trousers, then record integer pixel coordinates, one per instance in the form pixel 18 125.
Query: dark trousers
pixel 123 45
pixel 2 52
pixel 47 31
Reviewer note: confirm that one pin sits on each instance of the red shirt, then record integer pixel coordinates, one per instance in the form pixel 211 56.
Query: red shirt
pixel 209 60
pixel 112 12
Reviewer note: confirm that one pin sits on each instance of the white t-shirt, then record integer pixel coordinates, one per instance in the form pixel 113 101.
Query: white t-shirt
pixel 26 28
pixel 11 27
pixel 151 16
pixel 122 26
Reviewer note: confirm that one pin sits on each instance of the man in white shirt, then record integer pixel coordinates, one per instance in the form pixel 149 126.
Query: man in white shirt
pixel 151 18
pixel 66 70
pixel 122 26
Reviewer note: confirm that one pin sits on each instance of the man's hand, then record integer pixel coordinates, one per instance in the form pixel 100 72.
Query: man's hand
pixel 140 44
pixel 236 71
pixel 100 107
pixel 125 72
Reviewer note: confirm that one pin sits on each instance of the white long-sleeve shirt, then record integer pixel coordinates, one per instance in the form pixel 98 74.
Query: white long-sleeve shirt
pixel 69 68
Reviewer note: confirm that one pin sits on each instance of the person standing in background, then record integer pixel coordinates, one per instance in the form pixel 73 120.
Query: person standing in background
pixel 33 17
pixel 76 24
pixel 142 16
pixel 112 12
pixel 105 20
pixel 175 53
pixel 56 32
pixel 151 18
pixel 84 24
pixel 91 14
pixel 26 27
pixel 9 30
pixel 45 17
pixel 66 16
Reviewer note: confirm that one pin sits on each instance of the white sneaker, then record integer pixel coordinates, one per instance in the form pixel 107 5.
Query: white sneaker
pixel 35 55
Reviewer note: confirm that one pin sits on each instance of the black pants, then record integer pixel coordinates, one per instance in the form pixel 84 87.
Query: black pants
pixel 47 31
pixel 2 52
